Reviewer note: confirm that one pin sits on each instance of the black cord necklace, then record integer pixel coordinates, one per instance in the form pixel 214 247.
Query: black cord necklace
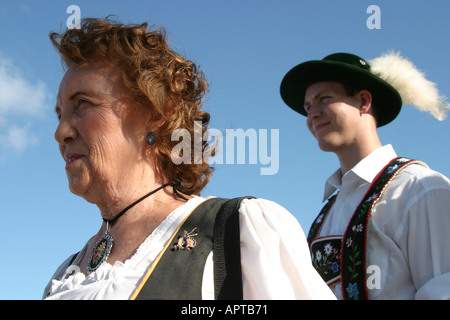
pixel 103 247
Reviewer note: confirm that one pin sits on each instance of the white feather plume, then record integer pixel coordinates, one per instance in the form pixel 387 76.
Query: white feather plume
pixel 410 83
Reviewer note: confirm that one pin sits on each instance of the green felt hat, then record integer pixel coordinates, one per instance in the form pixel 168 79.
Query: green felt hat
pixel 340 67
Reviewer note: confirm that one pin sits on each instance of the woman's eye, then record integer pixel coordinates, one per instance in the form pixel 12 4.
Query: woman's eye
pixel 80 102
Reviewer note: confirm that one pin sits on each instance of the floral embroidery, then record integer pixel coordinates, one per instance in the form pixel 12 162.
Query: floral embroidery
pixel 328 248
pixel 319 218
pixel 100 252
pixel 352 290
pixel 318 256
pixel 326 257
pixel 372 197
pixel 335 267
pixel 392 168
pixel 349 242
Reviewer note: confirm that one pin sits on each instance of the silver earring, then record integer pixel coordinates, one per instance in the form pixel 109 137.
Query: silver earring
pixel 150 138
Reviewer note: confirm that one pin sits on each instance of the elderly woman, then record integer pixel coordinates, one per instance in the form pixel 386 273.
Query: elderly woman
pixel 123 94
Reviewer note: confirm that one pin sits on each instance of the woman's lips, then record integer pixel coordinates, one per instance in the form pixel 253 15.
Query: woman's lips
pixel 71 159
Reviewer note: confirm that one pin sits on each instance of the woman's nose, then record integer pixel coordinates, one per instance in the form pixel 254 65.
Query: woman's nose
pixel 65 132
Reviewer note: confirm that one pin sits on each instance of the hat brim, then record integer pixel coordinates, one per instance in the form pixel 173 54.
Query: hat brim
pixel 298 79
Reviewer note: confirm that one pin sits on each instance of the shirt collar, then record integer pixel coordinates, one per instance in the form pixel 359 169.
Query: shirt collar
pixel 367 169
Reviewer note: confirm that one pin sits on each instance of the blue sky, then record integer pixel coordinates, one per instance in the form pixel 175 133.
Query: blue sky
pixel 244 48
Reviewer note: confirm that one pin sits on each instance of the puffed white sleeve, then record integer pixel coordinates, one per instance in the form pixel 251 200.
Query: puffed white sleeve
pixel 275 258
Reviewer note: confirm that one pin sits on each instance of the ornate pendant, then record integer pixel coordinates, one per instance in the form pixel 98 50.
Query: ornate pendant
pixel 100 252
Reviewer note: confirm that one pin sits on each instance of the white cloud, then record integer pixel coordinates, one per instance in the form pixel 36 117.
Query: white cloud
pixel 17 94
pixel 19 97
pixel 17 138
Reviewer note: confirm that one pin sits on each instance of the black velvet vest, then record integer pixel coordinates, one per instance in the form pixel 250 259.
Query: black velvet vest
pixel 177 273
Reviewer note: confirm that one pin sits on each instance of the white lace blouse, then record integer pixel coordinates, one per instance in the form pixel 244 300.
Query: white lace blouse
pixel 275 260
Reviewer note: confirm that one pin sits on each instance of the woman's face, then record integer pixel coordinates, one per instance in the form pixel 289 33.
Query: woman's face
pixel 101 135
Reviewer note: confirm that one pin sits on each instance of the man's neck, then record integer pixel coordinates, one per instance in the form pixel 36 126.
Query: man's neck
pixel 351 156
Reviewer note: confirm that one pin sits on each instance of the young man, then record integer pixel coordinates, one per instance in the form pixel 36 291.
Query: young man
pixel 385 235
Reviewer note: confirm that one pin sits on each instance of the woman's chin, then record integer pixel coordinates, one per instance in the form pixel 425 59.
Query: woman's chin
pixel 79 189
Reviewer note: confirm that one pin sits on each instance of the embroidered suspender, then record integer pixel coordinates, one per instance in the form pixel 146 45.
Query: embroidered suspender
pixel 353 254
pixel 325 252
pixel 317 224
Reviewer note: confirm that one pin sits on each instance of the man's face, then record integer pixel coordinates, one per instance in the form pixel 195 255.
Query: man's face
pixel 333 116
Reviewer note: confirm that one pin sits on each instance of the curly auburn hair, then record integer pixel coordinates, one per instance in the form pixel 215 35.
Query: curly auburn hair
pixel 154 75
